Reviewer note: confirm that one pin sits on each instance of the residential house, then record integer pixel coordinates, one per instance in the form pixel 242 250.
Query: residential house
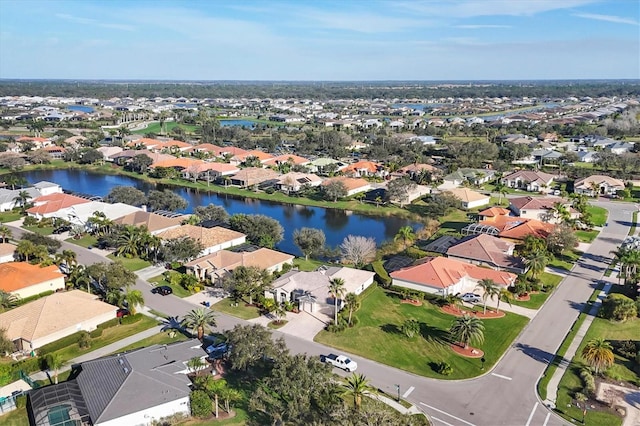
pixel 49 205
pixel 263 157
pixel 55 152
pixel 352 185
pixel 147 143
pixel 487 250
pixel 364 169
pixel 47 188
pixel 126 156
pixel 293 181
pixel 529 180
pixel 470 199
pixel 492 212
pixel 287 158
pixel 138 387
pixel 24 279
pixel 79 214
pixel 9 198
pixel 108 152
pixel 325 165
pixel 212 239
pixel 444 276
pixel 620 147
pixel 472 176
pixel 53 317
pixel 155 223
pixel 216 265
pixel 541 208
pixel 208 171
pixel 598 185
pixel 311 289
pixel 509 227
pixel 6 252
pixel 587 156
pixel 413 170
pixel 254 176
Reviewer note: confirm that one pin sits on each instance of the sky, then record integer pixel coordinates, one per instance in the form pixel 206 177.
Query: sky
pixel 311 40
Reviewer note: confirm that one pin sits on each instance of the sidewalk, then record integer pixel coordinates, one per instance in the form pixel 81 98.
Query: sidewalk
pixel 395 404
pixel 150 272
pixel 552 387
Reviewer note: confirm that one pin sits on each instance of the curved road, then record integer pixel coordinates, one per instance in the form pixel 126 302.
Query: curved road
pixel 506 395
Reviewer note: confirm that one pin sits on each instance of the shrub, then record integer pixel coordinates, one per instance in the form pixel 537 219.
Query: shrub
pixel 22 301
pixel 415 253
pixel 444 368
pixel 200 404
pixel 96 333
pixel 131 319
pixel 21 401
pixel 84 341
pixel 588 381
pixel 618 307
pixel 70 340
pixel 30 221
pixel 382 276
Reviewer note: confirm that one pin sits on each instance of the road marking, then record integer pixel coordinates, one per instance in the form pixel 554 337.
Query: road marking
pixel 408 392
pixel 546 419
pixel 531 415
pixel 501 376
pixel 447 414
pixel 441 421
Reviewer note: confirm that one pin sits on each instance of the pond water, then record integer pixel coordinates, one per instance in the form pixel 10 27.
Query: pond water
pixel 81 108
pixel 243 123
pixel 336 224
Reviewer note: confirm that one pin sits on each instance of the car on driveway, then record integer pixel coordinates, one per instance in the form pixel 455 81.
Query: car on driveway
pixel 61 229
pixel 471 298
pixel 121 313
pixel 163 290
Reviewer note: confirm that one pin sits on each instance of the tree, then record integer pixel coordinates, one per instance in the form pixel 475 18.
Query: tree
pixel 536 262
pixel 21 199
pixel 126 195
pixel 54 362
pixel 39 156
pixel 128 242
pixel 51 244
pixel 501 189
pixel 200 320
pixel 166 200
pixel 561 238
pixel 490 290
pixel 259 229
pixel 405 234
pixel 410 328
pixel 336 290
pixel 353 304
pixel 358 250
pixel 467 329
pixel 8 300
pixel 309 240
pixel 212 387
pixel 213 213
pixel 357 386
pixel 504 295
pixel 247 281
pixel 99 223
pixel 25 250
pixel 618 307
pixel 252 345
pixel 91 156
pixel 333 190
pixel 111 276
pixel 181 249
pixel 133 298
pixel 599 354
pixel 229 395
pixel 200 403
pixel 400 189
pixel 5 234
pixel 6 344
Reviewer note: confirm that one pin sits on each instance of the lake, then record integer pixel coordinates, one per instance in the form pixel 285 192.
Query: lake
pixel 336 224
pixel 243 123
pixel 81 108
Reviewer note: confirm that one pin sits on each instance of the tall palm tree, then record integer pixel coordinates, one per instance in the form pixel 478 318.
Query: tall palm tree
pixel 128 242
pixel 134 298
pixel 505 295
pixel 337 290
pixel 7 300
pixel 536 262
pixel 405 234
pixel 453 300
pixel 622 258
pixel 54 362
pixel 353 304
pixel 467 329
pixel 115 297
pixel 22 198
pixel 25 249
pixel 490 290
pixel 599 354
pixel 501 189
pixel 356 386
pixel 200 320
pixel 5 233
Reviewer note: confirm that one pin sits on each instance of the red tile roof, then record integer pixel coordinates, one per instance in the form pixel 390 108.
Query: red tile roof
pixel 53 202
pixel 19 275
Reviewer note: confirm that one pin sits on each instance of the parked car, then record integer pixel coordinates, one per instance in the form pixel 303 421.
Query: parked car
pixel 471 298
pixel 163 290
pixel 120 313
pixel 61 229
pixel 340 361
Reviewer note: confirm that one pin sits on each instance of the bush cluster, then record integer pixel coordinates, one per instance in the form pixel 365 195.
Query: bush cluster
pixel 382 277
pixel 588 381
pixel 444 368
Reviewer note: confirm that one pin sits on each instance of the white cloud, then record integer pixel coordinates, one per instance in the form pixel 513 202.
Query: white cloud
pixel 90 21
pixel 607 18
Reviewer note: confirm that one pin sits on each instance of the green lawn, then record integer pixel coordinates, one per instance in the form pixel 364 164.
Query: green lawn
pixel 377 336
pixel 538 299
pixel 159 339
pixel 46 230
pixel 566 260
pixel 132 264
pixel 85 241
pixel 306 265
pixel 178 290
pixel 587 236
pixel 17 417
pixel 155 128
pixel 10 216
pixel 598 215
pixel 227 306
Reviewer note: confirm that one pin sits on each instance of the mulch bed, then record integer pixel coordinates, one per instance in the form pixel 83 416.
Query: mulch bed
pixel 458 312
pixel 524 298
pixel 469 352
pixel 412 302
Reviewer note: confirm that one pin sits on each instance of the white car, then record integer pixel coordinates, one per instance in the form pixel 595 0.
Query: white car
pixel 471 298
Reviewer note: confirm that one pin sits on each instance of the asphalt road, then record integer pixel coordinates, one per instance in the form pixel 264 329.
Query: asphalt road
pixel 505 395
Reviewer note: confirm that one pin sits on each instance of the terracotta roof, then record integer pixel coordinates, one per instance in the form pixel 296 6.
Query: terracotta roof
pixel 494 211
pixel 262 258
pixel 153 222
pixel 207 147
pixel 467 196
pixel 209 237
pixel 487 249
pixel 51 314
pixel 537 203
pixel 53 202
pixel 148 142
pixel 416 168
pixel 181 162
pixel 369 166
pixel 517 227
pixel 19 275
pixel 598 179
pixel 232 150
pixel 179 144
pixel 441 272
pixel 155 156
pixel 285 158
pixel 349 183
pixel 530 176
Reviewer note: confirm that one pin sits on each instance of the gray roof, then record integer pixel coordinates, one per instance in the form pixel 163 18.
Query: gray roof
pixel 45 184
pixel 7 195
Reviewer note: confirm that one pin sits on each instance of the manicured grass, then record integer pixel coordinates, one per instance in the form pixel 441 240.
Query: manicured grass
pixel 10 216
pixel 46 230
pixel 377 336
pixel 62 376
pixel 598 215
pixel 109 335
pixel 159 339
pixel 566 260
pixel 536 300
pixel 17 417
pixel 587 236
pixel 277 324
pixel 132 264
pixel 227 306
pixel 168 126
pixel 178 290
pixel 241 418
pixel 85 241
pixel 306 265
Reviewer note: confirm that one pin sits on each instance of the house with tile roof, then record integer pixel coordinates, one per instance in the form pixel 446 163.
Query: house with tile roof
pixel 24 279
pixel 138 387
pixel 287 158
pixel 364 169
pixel 216 266
pixel 470 199
pixel 254 176
pixel 155 223
pixel 529 180
pixel 444 276
pixel 209 171
pixel 293 181
pixel 212 239
pixel 465 174
pixel 352 185
pixel 53 317
pixel 512 228
pixel 493 212
pixel 541 208
pixel 598 185
pixel 487 250
pixel 242 157
pixel 49 205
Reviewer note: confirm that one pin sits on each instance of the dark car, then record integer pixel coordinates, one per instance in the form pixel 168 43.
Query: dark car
pixel 120 313
pixel 163 290
pixel 62 229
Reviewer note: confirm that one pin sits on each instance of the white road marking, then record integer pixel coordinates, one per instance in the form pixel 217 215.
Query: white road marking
pixel 408 392
pixel 531 415
pixel 441 421
pixel 501 376
pixel 447 414
pixel 546 419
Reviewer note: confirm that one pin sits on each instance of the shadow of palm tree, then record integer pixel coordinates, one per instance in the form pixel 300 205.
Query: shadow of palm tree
pixel 391 329
pixel 434 335
pixel 173 323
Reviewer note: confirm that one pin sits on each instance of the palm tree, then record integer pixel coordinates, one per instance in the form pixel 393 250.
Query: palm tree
pixel 453 300
pixel 25 249
pixel 536 262
pixel 128 242
pixel 505 295
pixel 352 303
pixel 8 300
pixel 115 297
pixel 599 354
pixel 410 328
pixel 200 320
pixel 337 290
pixel 229 395
pixel 134 298
pixel 501 189
pixel 467 329
pixel 21 199
pixel 54 362
pixel 490 290
pixel 405 234
pixel 357 385
pixel 5 233
pixel 622 258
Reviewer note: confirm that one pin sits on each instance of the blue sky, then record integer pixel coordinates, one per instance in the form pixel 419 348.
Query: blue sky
pixel 320 40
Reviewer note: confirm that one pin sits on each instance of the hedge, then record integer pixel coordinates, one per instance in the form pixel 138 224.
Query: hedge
pixel 34 297
pixel 11 372
pixel 381 274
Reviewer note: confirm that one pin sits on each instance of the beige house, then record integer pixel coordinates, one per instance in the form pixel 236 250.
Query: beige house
pixel 530 180
pixel 293 181
pixel 541 208
pixel 216 265
pixel 470 199
pixel 212 239
pixel 24 279
pixel 51 318
pixel 6 252
pixel 254 176
pixel 155 223
pixel 598 185
pixel 352 185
